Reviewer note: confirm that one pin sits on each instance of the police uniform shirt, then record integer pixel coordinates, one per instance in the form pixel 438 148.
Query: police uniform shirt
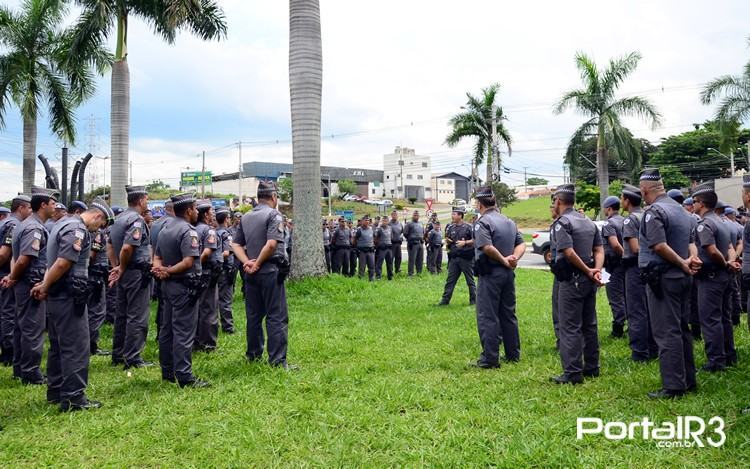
pixel 365 237
pixel 735 231
pixel 664 223
pixel 208 240
pixel 226 245
pixel 178 241
pixel 630 228
pixel 574 230
pixel 612 227
pixel 30 239
pixel 414 231
pixel 7 227
pixel 70 240
pixel 383 233
pixel 455 233
pixel 342 237
pixel 746 249
pixel 158 226
pixel 326 237
pixel 99 247
pixel 712 231
pixel 130 228
pixel 258 226
pixel 435 237
pixel 49 225
pixel 397 231
pixel 494 228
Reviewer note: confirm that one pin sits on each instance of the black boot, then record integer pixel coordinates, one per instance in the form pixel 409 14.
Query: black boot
pixel 618 331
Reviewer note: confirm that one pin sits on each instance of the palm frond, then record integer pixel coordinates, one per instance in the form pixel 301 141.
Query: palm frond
pixel 580 99
pixel 726 84
pixel 734 107
pixel 636 106
pixel 617 71
pixel 59 103
pixel 589 73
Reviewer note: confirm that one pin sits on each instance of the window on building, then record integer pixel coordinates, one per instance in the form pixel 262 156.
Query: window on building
pixel 373 192
pixel 388 177
pixel 408 176
pixel 424 165
pixel 419 176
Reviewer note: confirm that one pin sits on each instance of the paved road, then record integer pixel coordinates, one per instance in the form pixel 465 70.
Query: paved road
pixel 528 261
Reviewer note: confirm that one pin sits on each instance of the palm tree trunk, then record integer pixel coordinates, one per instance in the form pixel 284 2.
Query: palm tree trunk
pixel 120 117
pixel 490 162
pixel 305 86
pixel 602 168
pixel 29 153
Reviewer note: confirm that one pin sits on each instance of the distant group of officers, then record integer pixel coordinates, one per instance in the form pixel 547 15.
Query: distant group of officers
pixel 65 270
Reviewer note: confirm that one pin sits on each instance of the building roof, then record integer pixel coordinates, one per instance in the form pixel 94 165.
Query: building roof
pixel 451 176
pixel 272 171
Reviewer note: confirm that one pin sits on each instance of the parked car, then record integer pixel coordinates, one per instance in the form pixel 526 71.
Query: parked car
pixel 540 245
pixel 385 202
pixel 350 197
pixel 458 203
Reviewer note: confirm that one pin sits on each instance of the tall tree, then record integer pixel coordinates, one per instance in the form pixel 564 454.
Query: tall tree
pixel 736 91
pixel 597 101
pixel 306 89
pixel 476 122
pixel 99 18
pixel 37 69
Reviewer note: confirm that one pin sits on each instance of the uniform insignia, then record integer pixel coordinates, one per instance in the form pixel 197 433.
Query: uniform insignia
pixel 648 217
pixel 476 227
pixel 229 238
pixel 77 245
pixel 137 224
pixel 211 237
pixel 36 245
pixel 136 234
pixel 606 223
pixel 79 234
pixel 700 228
pixel 557 227
pixel 193 233
pixel 194 242
pixel 626 222
pixel 99 238
pixel 37 235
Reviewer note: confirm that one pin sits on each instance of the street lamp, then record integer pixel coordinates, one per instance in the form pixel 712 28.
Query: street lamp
pixel 730 158
pixel 104 168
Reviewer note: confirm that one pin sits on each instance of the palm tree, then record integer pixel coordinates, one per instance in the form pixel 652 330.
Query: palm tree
pixel 736 91
pixel 99 18
pixel 305 86
pixel 36 68
pixel 596 100
pixel 476 122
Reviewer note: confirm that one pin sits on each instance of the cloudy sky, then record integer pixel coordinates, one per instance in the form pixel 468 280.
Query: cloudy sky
pixel 394 72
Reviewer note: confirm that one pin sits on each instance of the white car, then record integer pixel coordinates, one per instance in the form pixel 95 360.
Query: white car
pixel 350 198
pixel 540 242
pixel 384 202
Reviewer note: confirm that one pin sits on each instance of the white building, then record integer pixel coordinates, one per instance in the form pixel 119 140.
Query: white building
pixel 443 189
pixel 406 174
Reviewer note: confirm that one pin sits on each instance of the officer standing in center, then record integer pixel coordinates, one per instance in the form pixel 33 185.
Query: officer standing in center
pixel 435 249
pixel 397 232
pixel 342 239
pixel 97 278
pixel 364 241
pixel 498 248
pixel 159 225
pixel 207 334
pixel 459 239
pixel 613 252
pixel 668 260
pixel 414 234
pixel 225 285
pixel 578 265
pixel 383 250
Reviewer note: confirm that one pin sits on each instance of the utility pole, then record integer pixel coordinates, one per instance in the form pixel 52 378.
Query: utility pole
pixel 401 163
pixel 525 187
pixel 130 163
pixel 239 176
pixel 203 176
pixel 495 149
pixel 731 161
pixel 65 175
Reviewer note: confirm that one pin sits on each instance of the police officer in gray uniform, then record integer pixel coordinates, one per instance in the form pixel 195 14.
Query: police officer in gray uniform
pixel 578 265
pixel 746 240
pixel 65 288
pixel 327 245
pixel 29 245
pixel 735 229
pixel 668 260
pixel 177 264
pixel 435 249
pixel 61 211
pixel 207 333
pixel 459 239
pixel 97 278
pixel 641 340
pixel 225 285
pixel 342 238
pixel 555 282
pixel 364 241
pixel 397 236
pixel 20 209
pixel 613 252
pixel 131 242
pixel 716 251
pixel 156 228
pixel 383 250
pixel 414 232
pixel 259 245
pixel 498 248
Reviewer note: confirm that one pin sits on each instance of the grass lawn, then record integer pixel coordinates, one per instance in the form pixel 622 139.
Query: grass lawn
pixel 532 213
pixel 383 381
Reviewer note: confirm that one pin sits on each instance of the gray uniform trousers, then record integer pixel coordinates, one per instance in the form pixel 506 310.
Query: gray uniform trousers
pixel 69 349
pixel 715 309
pixel 416 257
pixel 131 320
pixel 353 256
pixel 396 252
pixel 327 254
pixel 669 315
pixel 159 290
pixel 384 254
pixel 177 332
pixel 555 318
pixel 7 318
pixel 456 267
pixel 207 332
pixel 226 295
pixel 435 259
pixel 736 301
pixel 641 339
pixel 111 305
pixel 341 261
pixel 266 298
pixel 367 259
pixel 496 316
pixel 576 313
pixel 96 310
pixel 616 295
pixel 28 336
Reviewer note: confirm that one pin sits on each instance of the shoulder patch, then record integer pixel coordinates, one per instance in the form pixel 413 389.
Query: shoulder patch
pixel 626 222
pixel 79 234
pixel 648 217
pixel 36 245
pixel 606 223
pixel 37 235
pixel 700 228
pixel 557 227
pixel 193 233
pixel 77 244
pixel 137 224
pixel 137 234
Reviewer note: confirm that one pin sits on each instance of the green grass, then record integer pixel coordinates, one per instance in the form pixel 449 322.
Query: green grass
pixel 532 213
pixel 383 381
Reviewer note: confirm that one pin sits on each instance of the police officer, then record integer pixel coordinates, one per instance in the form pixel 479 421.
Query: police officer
pixel 97 279
pixel 208 319
pixel 578 265
pixel 555 282
pixel 746 240
pixel 65 288
pixel 364 241
pixel 77 207
pixel 342 238
pixel 498 248
pixel 327 245
pixel 61 211
pixel 641 340
pixel 716 251
pixel 459 239
pixel 4 213
pixel 383 250
pixel 695 323
pixel 397 232
pixel 259 245
pixel 668 259
pixel 112 256
pixel 20 209
pixel 735 229
pixel 157 227
pixel 29 264
pixel 177 264
pixel 435 249
pixel 353 252
pixel 131 244
pixel 613 252
pixel 414 234
pixel 225 284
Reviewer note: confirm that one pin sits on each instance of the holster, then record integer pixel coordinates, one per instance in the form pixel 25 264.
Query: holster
pixel 97 279
pixel 485 266
pixel 746 281
pixel 630 262
pixel 283 266
pixel 612 262
pixel 651 275
pixel 145 270
pixel 76 287
pixel 562 269
pixel 35 276
pixel 193 284
pixel 413 242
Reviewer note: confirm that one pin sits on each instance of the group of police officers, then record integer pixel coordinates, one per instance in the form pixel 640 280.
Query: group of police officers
pixel 671 273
